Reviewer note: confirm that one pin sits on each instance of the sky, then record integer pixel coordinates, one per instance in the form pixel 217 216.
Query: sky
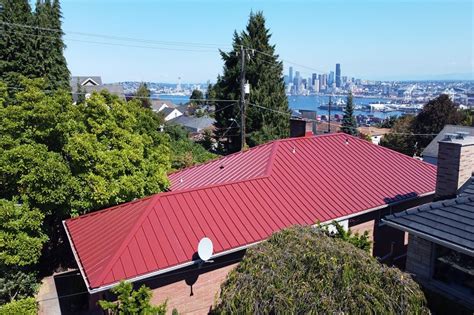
pixel 167 40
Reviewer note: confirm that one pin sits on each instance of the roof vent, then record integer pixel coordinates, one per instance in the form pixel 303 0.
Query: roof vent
pixel 294 149
pixel 222 165
pixel 347 140
pixel 461 134
pixel 449 136
pixel 181 180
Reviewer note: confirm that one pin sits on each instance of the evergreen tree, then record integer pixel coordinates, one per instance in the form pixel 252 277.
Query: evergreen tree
pixel 143 95
pixel 31 44
pixel 16 44
pixel 264 73
pixel 349 123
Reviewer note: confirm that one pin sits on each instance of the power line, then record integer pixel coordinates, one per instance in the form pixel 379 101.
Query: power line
pixel 114 37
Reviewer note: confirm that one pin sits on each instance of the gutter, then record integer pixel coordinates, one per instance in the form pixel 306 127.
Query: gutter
pixel 233 250
pixel 429 237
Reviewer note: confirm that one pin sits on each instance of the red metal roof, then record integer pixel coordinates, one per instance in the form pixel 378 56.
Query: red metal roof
pixel 242 199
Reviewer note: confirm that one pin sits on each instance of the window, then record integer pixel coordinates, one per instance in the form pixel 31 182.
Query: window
pixel 455 269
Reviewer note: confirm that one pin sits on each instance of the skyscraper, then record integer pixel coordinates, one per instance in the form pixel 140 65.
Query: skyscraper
pixel 291 74
pixel 338 75
pixel 314 78
pixel 331 78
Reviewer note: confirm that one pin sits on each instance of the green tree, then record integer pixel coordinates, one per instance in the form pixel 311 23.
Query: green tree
pixel 301 270
pixel 349 123
pixel 434 116
pixel 197 98
pixel 31 44
pixel 143 95
pixel 131 301
pixel 359 241
pixel 21 242
pixel 400 138
pixel 264 74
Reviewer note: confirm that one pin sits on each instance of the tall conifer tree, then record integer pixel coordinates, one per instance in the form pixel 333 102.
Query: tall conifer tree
pixel 349 123
pixel 264 73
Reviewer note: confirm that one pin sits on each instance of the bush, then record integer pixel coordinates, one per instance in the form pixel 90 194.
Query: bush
pixel 302 270
pixel 26 306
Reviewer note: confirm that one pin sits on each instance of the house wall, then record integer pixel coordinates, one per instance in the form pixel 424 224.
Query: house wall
pixel 419 257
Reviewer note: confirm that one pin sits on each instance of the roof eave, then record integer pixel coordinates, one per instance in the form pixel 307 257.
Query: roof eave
pixel 428 237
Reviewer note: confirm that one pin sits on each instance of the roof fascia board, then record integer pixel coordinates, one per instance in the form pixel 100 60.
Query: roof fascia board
pixel 76 256
pixel 429 237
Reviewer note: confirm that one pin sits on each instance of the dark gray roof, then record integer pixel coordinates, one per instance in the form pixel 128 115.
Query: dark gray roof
pixel 194 124
pixel 448 222
pixel 156 104
pixel 432 149
pixel 166 111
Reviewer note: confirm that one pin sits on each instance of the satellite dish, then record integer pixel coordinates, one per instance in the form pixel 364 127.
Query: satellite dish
pixel 205 249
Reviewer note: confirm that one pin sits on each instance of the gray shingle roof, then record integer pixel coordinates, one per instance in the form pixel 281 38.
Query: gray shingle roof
pixel 432 149
pixel 81 79
pixel 156 104
pixel 166 111
pixel 194 124
pixel 448 222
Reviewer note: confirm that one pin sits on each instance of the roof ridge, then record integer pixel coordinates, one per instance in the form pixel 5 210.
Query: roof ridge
pixel 126 240
pixel 220 157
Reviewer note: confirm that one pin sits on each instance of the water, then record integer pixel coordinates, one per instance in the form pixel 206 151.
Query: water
pixel 310 102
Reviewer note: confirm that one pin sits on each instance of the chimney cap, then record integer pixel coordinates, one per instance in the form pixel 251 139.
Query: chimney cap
pixel 462 134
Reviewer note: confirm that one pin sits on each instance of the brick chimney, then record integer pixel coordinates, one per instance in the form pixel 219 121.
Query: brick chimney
pixel 301 127
pixel 455 164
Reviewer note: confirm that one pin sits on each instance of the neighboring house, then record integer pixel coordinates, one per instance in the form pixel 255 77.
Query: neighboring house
pixel 194 124
pixel 238 201
pixel 441 234
pixel 158 105
pixel 91 84
pixel 430 153
pixel 170 113
pixel 376 134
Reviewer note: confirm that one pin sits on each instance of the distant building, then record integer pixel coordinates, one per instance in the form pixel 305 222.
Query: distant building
pixel 314 77
pixel 159 105
pixel 170 113
pixel 316 86
pixel 194 124
pixel 89 84
pixel 338 75
pixel 331 78
pixel 290 74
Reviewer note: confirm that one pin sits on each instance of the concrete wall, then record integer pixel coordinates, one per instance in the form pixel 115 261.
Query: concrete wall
pixel 420 257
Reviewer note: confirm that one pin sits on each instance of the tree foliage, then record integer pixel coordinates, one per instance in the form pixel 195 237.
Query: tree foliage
pixel 34 51
pixel 131 301
pixel 26 306
pixel 264 74
pixel 143 95
pixel 67 159
pixel 436 114
pixel 302 270
pixel 185 152
pixel 21 242
pixel 400 138
pixel 359 241
pixel 349 123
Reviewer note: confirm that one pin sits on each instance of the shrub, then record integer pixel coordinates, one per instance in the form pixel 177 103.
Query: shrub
pixel 302 270
pixel 26 306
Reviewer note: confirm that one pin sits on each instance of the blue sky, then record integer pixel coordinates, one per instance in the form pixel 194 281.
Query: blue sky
pixel 371 39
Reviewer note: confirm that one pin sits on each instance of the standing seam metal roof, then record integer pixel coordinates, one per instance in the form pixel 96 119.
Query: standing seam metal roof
pixel 241 199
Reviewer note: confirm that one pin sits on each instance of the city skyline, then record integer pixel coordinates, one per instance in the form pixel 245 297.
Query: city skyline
pixel 367 38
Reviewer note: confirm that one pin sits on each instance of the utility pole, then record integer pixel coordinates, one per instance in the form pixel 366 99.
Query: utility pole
pixel 242 97
pixel 329 114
